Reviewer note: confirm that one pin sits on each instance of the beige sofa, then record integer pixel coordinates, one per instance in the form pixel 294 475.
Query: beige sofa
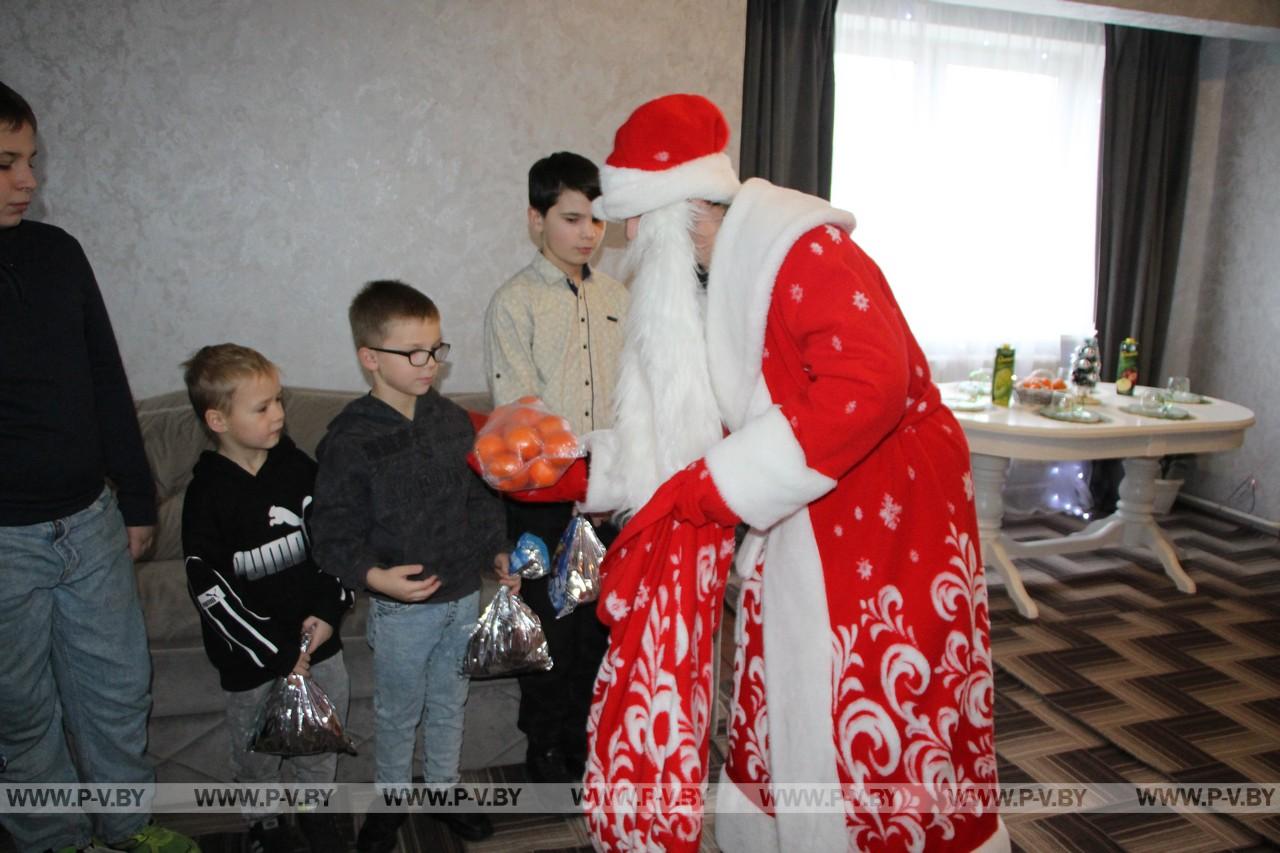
pixel 188 740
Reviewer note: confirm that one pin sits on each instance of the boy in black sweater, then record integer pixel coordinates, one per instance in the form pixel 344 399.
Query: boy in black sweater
pixel 249 569
pixel 73 646
pixel 399 513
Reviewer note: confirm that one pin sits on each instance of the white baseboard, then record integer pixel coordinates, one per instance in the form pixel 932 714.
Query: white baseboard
pixel 1254 521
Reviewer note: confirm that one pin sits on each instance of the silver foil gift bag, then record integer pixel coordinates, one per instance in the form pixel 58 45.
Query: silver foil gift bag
pixel 507 639
pixel 576 577
pixel 297 718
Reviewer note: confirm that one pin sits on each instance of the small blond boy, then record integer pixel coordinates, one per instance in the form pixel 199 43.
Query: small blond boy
pixel 251 575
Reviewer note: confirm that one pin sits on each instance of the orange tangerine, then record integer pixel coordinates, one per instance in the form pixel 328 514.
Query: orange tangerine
pixel 551 424
pixel 543 472
pixel 523 441
pixel 560 444
pixel 518 480
pixel 503 465
pixel 489 445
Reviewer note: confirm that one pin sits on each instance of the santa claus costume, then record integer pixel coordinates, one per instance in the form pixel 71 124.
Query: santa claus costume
pixel 862 653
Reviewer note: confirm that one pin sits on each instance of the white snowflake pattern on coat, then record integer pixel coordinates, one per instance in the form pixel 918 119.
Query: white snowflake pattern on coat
pixel 890 511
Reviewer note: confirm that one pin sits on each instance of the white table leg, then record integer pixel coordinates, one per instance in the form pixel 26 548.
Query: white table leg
pixel 1137 491
pixel 1132 524
pixel 988 481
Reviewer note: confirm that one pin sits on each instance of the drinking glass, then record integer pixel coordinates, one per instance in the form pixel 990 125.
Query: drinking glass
pixel 1154 400
pixel 1180 388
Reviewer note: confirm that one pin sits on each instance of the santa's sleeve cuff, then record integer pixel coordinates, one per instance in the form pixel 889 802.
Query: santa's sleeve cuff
pixel 761 471
pixel 604 490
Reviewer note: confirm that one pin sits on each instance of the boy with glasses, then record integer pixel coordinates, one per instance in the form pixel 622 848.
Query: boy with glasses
pixel 398 513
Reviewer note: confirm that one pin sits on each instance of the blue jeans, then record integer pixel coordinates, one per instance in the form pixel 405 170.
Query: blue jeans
pixel 417 677
pixel 74 654
pixel 243 708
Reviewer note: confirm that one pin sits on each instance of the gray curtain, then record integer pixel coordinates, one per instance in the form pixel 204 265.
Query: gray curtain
pixel 1148 111
pixel 788 94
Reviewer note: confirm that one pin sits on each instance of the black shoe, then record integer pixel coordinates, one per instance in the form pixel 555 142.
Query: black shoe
pixel 576 765
pixel 270 835
pixel 321 832
pixel 548 765
pixel 379 833
pixel 469 826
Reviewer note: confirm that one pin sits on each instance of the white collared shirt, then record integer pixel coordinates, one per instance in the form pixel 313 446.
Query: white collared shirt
pixel 547 337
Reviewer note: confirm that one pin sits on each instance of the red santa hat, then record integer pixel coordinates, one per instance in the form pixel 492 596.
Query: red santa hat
pixel 668 150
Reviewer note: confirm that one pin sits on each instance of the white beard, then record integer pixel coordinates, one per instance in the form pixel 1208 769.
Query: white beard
pixel 665 413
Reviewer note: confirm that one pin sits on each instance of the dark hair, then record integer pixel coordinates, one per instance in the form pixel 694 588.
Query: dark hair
pixel 381 302
pixel 14 110
pixel 564 170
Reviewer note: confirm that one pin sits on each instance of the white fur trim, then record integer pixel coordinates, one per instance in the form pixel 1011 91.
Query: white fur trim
pixel 744 559
pixel 631 192
pixel 740 825
pixel 797 672
pixel 761 226
pixel 761 471
pixel 744 828
pixel 604 488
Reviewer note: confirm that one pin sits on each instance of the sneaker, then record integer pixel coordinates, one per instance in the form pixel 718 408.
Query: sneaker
pixel 321 832
pixel 379 833
pixel 469 826
pixel 270 835
pixel 153 838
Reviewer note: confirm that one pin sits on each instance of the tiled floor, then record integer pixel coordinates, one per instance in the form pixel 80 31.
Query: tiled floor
pixel 1122 678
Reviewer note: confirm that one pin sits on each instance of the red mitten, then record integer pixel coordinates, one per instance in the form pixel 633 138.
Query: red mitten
pixel 698 500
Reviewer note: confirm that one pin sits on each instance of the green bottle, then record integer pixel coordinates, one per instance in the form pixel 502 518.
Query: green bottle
pixel 1002 376
pixel 1127 369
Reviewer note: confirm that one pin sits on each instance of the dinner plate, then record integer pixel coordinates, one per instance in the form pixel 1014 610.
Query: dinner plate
pixel 1173 413
pixel 1073 416
pixel 1191 398
pixel 961 404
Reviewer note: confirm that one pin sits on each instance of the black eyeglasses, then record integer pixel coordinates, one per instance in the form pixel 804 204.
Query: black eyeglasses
pixel 420 357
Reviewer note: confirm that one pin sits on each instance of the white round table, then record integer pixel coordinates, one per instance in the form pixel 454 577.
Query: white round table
pixel 998 434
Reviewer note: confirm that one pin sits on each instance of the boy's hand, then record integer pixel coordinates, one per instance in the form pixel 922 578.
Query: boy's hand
pixel 319 630
pixel 394 583
pixel 303 666
pixel 502 568
pixel 140 539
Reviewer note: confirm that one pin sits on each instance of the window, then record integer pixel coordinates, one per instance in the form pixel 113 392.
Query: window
pixel 966 144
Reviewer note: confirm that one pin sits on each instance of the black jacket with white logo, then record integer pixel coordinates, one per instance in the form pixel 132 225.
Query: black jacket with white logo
pixel 249 567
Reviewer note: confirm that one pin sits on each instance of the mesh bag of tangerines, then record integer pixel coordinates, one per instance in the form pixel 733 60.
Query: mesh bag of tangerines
pixel 524 445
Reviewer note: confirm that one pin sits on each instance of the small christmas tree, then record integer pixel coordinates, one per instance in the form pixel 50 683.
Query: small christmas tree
pixel 1086 365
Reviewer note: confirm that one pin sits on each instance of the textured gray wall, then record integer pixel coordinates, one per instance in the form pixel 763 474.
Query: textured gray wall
pixel 235 169
pixel 1228 298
